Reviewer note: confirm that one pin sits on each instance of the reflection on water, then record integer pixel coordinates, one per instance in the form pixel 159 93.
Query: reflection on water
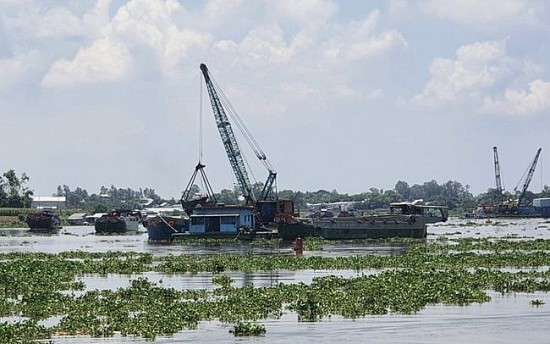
pixel 203 280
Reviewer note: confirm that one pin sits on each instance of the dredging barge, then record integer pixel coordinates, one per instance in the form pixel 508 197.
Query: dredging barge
pixel 240 222
pixel 264 214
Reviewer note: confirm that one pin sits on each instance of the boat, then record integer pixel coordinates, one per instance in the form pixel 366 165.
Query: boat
pixel 118 221
pixel 161 228
pixel 43 221
pixel 429 213
pixel 356 227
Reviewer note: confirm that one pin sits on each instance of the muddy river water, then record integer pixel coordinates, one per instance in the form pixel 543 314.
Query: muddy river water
pixel 505 319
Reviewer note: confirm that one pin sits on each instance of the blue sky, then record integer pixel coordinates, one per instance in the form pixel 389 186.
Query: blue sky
pixel 341 95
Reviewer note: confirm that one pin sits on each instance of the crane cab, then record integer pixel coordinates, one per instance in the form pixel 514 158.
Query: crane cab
pixel 270 211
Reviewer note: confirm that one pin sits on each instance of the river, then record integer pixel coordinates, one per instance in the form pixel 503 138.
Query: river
pixel 505 319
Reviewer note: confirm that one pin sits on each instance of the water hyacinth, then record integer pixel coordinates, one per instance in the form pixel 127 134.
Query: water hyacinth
pixel 536 303
pixel 38 286
pixel 248 329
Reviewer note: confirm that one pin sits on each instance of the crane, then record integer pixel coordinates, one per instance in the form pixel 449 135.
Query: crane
pixel 497 172
pixel 528 178
pixel 187 201
pixel 221 107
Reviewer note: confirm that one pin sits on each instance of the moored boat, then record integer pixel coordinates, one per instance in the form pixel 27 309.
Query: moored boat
pixel 43 221
pixel 161 228
pixel 118 221
pixel 428 213
pixel 356 227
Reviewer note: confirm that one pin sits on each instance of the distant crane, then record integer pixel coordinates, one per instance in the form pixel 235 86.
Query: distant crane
pixel 497 172
pixel 528 178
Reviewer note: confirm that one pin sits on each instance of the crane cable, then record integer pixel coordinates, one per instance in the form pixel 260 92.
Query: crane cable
pixel 254 145
pixel 230 111
pixel 541 174
pixel 203 185
pixel 200 122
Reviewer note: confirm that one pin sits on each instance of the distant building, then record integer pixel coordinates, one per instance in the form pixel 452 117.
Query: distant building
pixel 77 219
pixel 222 220
pixel 48 202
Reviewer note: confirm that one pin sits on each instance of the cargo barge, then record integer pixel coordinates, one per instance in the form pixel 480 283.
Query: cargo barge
pixel 540 208
pixel 161 228
pixel 118 222
pixel 44 221
pixel 356 227
pixel 429 213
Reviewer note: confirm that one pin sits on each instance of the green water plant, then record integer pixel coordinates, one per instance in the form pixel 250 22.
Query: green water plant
pixel 536 302
pixel 247 329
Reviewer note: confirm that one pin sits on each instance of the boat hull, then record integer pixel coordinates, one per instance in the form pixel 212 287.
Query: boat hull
pixel 161 229
pixel 356 228
pixel 43 222
pixel 115 225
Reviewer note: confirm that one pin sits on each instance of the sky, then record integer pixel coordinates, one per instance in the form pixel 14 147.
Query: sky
pixel 343 95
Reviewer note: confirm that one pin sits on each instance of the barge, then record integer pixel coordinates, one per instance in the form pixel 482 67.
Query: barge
pixel 356 227
pixel 429 213
pixel 118 222
pixel 161 228
pixel 44 221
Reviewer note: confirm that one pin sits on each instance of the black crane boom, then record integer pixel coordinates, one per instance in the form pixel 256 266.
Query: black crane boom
pixel 528 178
pixel 228 138
pixel 498 180
pixel 221 107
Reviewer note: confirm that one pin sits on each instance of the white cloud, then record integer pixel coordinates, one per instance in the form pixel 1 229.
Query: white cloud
pixel 12 70
pixel 361 40
pixel 482 12
pixel 58 22
pixel 476 67
pixel 17 69
pixel 33 20
pixel 311 14
pixel 104 61
pixel 137 26
pixel 521 102
pixel 267 44
pixel 153 25
pixel 148 36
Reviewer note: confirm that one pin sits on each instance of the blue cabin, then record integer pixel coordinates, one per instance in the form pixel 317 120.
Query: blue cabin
pixel 221 219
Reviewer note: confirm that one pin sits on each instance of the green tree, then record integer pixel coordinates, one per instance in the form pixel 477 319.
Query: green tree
pixel 14 191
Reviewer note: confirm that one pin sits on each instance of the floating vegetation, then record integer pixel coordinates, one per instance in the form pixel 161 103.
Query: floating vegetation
pixel 223 281
pixel 22 332
pixel 38 286
pixel 248 329
pixel 536 303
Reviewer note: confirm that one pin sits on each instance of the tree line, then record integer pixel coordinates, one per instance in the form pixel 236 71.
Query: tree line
pixel 452 194
pixel 15 193
pixel 109 198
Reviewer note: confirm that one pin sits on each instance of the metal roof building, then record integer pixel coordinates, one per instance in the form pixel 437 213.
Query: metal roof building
pixel 48 202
